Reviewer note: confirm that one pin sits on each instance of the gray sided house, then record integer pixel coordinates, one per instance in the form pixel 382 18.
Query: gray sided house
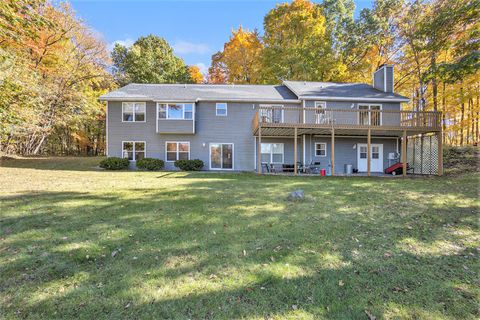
pixel 294 127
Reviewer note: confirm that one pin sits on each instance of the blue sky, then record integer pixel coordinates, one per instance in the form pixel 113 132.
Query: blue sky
pixel 196 28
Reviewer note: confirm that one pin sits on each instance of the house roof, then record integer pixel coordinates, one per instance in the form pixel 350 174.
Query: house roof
pixel 206 92
pixel 290 91
pixel 341 91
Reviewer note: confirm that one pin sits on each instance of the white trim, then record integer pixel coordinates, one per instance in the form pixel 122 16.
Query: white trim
pixel 369 109
pixel 216 109
pixel 255 152
pixel 144 98
pixel 380 156
pixel 393 79
pixel 303 111
pixel 134 113
pixel 167 112
pixel 273 106
pixel 316 104
pixel 210 156
pixel 156 117
pixel 135 141
pixel 355 99
pixel 106 130
pixel 271 152
pixel 315 150
pixel 178 150
pixel 194 110
pixel 303 148
pixel 384 78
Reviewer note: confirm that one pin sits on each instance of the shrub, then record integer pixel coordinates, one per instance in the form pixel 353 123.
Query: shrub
pixel 189 165
pixel 114 163
pixel 150 164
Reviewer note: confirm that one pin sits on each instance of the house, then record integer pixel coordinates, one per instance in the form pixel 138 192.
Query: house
pixel 290 125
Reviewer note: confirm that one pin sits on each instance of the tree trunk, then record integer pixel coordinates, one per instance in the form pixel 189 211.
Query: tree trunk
pixel 444 111
pixel 40 143
pixel 462 114
pixel 434 82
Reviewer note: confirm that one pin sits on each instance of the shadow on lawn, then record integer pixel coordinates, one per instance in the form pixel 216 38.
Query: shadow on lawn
pixel 338 238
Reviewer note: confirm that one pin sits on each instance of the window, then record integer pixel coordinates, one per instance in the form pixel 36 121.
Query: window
pixel 175 111
pixel 221 109
pixel 178 151
pixel 375 152
pixel 363 152
pixel 133 150
pixel 370 115
pixel 133 111
pixel 320 115
pixel 271 113
pixel 272 152
pixel 320 149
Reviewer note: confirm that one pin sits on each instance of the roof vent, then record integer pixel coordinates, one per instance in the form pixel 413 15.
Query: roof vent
pixel 184 85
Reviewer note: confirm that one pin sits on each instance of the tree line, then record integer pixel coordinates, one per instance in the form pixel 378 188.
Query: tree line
pixel 53 67
pixel 434 46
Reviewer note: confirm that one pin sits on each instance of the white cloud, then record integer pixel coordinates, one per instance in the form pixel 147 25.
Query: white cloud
pixel 203 68
pixel 186 47
pixel 126 43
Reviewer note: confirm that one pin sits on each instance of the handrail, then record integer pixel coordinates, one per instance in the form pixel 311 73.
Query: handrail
pixel 403 119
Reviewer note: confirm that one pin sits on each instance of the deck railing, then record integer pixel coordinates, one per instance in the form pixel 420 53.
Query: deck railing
pixel 346 118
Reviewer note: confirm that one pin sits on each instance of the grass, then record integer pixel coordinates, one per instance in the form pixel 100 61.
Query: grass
pixel 229 246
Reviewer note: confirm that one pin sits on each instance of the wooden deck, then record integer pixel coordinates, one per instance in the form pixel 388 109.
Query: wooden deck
pixel 280 121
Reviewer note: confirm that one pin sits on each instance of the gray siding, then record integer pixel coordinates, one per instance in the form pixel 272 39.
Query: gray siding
pixel 175 126
pixel 378 80
pixel 344 151
pixel 235 128
pixel 389 79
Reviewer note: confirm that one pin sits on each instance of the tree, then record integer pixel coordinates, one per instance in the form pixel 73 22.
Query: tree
pixel 217 73
pixel 241 57
pixel 297 44
pixel 149 60
pixel 51 81
pixel 195 74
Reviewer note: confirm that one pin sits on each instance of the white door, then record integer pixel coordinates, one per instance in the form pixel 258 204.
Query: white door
pixel 221 156
pixel 376 164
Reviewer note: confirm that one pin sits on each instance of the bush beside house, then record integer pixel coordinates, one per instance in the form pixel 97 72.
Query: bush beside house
pixel 114 163
pixel 150 164
pixel 189 165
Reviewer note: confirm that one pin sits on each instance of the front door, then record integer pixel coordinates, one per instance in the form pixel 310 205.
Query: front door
pixel 221 156
pixel 376 164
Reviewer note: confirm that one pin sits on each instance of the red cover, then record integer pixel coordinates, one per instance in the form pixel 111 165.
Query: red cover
pixel 394 167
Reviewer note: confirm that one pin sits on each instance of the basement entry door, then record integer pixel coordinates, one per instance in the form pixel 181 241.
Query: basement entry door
pixel 376 164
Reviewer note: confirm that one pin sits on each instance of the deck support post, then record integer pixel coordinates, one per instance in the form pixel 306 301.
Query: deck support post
pixel 259 150
pixel 295 166
pixel 333 152
pixel 440 151
pixel 369 153
pixel 404 153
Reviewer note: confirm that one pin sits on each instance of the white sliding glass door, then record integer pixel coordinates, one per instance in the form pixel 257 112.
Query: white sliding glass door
pixel 221 156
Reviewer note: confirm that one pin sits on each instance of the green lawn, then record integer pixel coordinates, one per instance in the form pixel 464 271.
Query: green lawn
pixel 229 246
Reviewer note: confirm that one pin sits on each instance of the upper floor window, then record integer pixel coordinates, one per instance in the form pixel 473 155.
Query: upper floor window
pixel 370 114
pixel 133 150
pixel 271 113
pixel 221 109
pixel 178 151
pixel 320 115
pixel 133 111
pixel 179 111
pixel 320 149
